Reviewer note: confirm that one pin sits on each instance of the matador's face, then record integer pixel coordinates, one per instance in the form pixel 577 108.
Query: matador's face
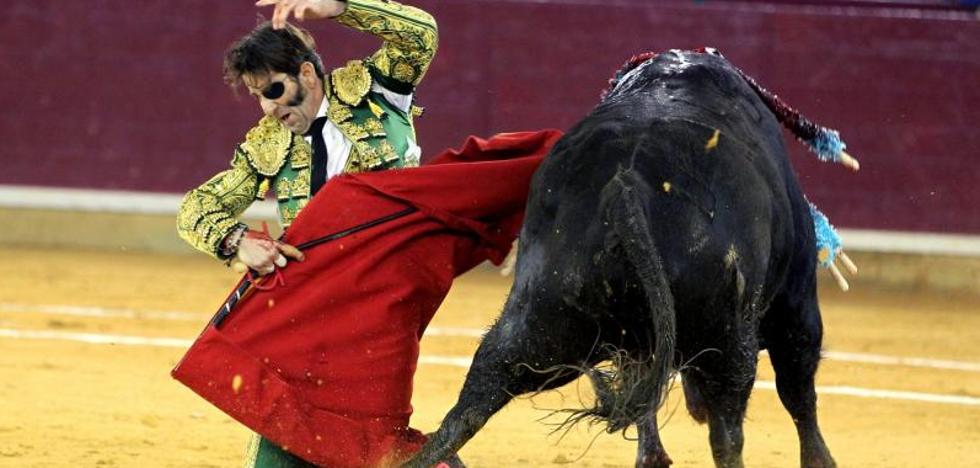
pixel 293 100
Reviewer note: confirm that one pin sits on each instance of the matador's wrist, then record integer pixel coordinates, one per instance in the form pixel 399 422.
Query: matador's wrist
pixel 229 245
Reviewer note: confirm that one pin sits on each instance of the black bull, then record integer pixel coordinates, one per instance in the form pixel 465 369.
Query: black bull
pixel 664 231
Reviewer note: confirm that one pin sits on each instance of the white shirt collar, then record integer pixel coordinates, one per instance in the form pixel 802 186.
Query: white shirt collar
pixel 324 106
pixel 322 112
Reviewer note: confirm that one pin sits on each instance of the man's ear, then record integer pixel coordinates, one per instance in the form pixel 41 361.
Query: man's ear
pixel 307 73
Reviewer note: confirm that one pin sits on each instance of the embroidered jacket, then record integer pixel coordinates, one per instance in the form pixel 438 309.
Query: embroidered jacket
pixel 381 133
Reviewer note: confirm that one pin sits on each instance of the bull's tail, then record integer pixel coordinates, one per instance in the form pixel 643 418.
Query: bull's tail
pixel 640 386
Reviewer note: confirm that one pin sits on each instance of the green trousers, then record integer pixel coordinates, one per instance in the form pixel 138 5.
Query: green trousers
pixel 264 454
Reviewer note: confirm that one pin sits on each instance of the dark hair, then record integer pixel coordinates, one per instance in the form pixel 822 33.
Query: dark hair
pixel 267 50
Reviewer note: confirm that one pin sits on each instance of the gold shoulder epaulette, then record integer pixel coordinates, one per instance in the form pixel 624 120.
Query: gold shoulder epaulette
pixel 266 146
pixel 351 82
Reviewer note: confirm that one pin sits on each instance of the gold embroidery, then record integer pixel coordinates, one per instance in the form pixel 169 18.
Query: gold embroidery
pixel 283 189
pixel 351 82
pixel 361 158
pixel 208 213
pixel 341 115
pixel 417 111
pixel 359 131
pixel 410 37
pixel 353 130
pixel 286 215
pixel 404 71
pixel 266 145
pixel 301 185
pixel 302 153
pixel 353 162
pixel 376 109
pixel 387 152
pixel 338 112
pixel 370 158
pixel 374 128
pixel 263 189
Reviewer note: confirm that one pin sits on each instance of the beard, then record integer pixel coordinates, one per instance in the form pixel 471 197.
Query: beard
pixel 299 97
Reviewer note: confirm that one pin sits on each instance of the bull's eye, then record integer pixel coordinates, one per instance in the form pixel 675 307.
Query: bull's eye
pixel 274 90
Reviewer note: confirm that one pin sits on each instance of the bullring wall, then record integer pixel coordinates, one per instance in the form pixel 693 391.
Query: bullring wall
pixel 127 95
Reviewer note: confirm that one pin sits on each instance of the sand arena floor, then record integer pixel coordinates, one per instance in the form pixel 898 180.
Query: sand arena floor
pixel 87 340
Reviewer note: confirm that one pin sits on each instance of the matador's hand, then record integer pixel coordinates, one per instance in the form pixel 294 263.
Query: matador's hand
pixel 301 10
pixel 263 254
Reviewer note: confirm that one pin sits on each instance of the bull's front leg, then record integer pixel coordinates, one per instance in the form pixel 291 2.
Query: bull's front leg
pixel 523 352
pixel 489 386
pixel 468 416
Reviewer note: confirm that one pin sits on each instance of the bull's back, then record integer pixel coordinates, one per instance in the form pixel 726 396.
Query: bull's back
pixel 717 180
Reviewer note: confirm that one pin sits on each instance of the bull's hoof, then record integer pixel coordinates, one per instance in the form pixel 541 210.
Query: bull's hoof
pixel 820 461
pixel 657 460
pixel 451 462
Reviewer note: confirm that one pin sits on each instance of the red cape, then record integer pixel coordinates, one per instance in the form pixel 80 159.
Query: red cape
pixel 323 365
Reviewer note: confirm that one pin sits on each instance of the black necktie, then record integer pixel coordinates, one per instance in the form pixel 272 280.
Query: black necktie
pixel 318 169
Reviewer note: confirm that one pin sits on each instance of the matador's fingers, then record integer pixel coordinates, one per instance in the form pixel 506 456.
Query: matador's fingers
pixel 239 267
pixel 281 13
pixel 290 251
pixel 275 11
pixel 277 5
pixel 301 10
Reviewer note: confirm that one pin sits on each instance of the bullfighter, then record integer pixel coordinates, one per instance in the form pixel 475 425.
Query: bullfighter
pixel 316 124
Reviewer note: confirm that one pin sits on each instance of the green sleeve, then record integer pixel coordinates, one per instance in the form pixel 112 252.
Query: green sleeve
pixel 209 212
pixel 410 40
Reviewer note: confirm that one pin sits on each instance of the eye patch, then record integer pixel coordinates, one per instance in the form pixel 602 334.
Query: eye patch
pixel 274 90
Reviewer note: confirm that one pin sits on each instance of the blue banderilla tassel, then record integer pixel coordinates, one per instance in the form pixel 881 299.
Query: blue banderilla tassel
pixel 828 241
pixel 827 145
